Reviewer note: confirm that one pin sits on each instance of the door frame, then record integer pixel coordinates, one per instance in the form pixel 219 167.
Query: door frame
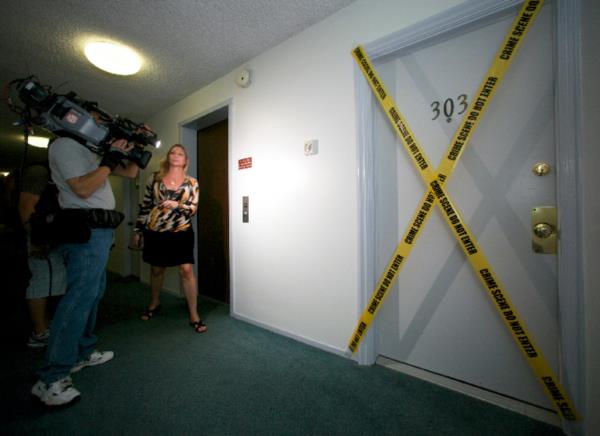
pixel 188 136
pixel 470 15
pixel 209 122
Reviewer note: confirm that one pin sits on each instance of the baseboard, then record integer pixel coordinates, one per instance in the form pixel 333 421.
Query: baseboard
pixel 177 292
pixel 290 335
pixel 499 400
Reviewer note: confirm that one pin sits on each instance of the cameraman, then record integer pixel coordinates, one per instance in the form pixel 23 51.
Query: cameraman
pixel 88 203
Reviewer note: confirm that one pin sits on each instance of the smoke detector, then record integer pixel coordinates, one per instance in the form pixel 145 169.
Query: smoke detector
pixel 243 78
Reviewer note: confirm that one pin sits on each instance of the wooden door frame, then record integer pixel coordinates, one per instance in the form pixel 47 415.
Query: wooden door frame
pixel 188 136
pixel 457 20
pixel 224 146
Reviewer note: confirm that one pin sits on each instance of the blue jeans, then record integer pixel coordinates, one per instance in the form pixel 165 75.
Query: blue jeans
pixel 71 334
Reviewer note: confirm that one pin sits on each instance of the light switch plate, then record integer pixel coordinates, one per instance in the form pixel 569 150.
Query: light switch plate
pixel 245 209
pixel 311 147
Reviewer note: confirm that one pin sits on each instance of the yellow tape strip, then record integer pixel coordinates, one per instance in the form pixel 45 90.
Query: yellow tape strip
pixel 457 145
pixel 451 214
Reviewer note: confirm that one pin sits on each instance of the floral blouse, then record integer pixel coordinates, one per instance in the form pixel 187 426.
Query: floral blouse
pixel 160 219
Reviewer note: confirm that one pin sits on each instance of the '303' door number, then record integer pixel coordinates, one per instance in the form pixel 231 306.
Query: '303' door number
pixel 449 106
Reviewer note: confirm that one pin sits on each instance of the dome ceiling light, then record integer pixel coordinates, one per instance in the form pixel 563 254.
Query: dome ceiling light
pixel 38 141
pixel 113 58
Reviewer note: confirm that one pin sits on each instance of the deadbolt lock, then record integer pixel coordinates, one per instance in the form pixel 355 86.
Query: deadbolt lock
pixel 543 226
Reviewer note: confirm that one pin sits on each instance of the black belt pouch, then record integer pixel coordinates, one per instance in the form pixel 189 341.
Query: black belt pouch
pixel 104 218
pixel 73 226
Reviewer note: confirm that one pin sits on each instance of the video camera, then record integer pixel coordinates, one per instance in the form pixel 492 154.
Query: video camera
pixel 84 121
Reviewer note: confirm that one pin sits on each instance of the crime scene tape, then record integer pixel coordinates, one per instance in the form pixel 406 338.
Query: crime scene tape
pixel 473 115
pixel 451 214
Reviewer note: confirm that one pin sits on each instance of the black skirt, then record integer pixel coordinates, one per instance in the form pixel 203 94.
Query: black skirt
pixel 168 248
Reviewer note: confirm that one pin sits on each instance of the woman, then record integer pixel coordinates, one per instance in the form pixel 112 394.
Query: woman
pixel 170 201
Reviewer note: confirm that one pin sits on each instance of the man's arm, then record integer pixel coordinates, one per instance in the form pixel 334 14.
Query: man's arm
pixel 84 186
pixel 130 170
pixel 27 202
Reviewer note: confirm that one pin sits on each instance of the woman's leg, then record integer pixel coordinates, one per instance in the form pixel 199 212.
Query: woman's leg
pixel 40 286
pixel 37 313
pixel 188 280
pixel 157 277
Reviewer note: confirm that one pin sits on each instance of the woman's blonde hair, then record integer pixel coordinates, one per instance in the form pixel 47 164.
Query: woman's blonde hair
pixel 164 162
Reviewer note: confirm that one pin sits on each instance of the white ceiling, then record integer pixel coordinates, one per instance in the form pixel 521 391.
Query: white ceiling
pixel 186 44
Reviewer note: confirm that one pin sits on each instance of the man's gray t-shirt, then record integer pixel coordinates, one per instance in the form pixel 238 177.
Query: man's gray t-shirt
pixel 69 159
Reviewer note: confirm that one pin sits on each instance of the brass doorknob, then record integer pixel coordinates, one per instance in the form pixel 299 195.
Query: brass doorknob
pixel 541 169
pixel 543 230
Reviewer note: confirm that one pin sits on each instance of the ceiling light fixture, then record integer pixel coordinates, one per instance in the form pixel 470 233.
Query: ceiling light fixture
pixel 38 141
pixel 113 58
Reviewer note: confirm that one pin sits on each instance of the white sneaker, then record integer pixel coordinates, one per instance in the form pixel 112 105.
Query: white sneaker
pixel 96 358
pixel 55 394
pixel 38 341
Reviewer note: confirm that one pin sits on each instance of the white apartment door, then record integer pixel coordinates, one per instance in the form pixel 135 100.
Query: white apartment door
pixel 438 317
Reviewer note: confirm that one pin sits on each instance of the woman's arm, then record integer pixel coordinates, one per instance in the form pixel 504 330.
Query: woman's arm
pixel 148 202
pixel 189 201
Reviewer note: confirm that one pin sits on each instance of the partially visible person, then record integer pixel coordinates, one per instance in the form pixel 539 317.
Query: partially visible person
pixel 14 271
pixel 170 200
pixel 88 218
pixel 46 264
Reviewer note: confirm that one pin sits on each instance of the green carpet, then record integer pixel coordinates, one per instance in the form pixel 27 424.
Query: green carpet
pixel 236 379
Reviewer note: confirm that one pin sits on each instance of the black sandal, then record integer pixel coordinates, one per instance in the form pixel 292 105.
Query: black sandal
pixel 199 326
pixel 150 313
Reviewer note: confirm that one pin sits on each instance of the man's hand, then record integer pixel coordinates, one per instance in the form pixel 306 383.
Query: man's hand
pixel 145 130
pixel 121 145
pixel 116 153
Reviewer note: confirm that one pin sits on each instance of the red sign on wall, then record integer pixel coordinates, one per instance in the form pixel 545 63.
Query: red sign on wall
pixel 245 163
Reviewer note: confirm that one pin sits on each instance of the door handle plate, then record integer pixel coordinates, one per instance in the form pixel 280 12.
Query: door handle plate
pixel 544 231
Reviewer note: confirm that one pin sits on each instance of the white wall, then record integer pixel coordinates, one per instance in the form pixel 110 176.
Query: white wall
pixel 119 261
pixel 590 228
pixel 295 265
